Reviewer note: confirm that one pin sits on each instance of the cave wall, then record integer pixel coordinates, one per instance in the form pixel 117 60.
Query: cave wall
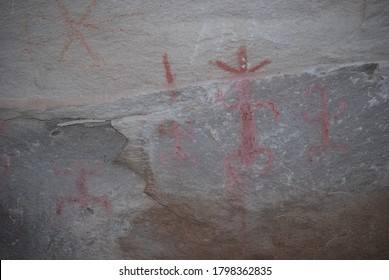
pixel 194 129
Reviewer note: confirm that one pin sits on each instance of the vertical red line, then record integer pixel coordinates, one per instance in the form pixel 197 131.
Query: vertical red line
pixel 168 72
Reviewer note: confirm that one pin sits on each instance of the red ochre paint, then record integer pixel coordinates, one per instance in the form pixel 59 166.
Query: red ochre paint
pixel 324 118
pixel 248 149
pixel 82 197
pixel 170 78
pixel 74 28
pixel 74 33
pixel 243 64
pixel 174 130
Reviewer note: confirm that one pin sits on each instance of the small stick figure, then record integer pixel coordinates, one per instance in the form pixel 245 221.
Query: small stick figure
pixel 175 131
pixel 82 195
pixel 324 118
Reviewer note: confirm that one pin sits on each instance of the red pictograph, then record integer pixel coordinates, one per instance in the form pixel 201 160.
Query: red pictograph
pixel 243 64
pixel 175 130
pixel 248 150
pixel 74 33
pixel 170 78
pixel 74 30
pixel 82 197
pixel 324 118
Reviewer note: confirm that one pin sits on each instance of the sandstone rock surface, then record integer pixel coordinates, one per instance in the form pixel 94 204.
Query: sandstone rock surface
pixel 300 142
pixel 194 129
pixel 59 54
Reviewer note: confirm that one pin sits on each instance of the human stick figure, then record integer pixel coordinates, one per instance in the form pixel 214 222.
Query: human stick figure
pixel 324 118
pixel 247 150
pixel 174 130
pixel 82 197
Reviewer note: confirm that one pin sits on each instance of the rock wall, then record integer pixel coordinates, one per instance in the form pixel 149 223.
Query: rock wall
pixel 302 173
pixel 57 54
pixel 194 130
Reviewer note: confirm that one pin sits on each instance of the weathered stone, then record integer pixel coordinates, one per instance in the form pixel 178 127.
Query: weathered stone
pixel 186 146
pixel 57 55
pixel 193 159
pixel 53 191
pixel 349 226
pixel 250 129
pixel 229 182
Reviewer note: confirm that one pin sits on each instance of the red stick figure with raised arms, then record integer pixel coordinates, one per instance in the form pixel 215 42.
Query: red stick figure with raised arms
pixel 83 198
pixel 248 150
pixel 324 118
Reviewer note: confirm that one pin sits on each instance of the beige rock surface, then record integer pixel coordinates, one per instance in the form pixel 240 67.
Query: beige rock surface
pixel 56 54
pixel 150 129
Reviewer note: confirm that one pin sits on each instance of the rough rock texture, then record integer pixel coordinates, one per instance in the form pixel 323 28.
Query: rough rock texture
pixel 304 174
pixel 73 164
pixel 267 175
pixel 58 53
pixel 194 129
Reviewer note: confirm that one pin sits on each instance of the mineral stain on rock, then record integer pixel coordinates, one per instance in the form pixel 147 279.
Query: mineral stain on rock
pixel 328 228
pixel 173 237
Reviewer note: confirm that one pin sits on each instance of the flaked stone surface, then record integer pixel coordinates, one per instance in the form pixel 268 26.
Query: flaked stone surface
pixel 283 167
pixel 306 142
pixel 248 129
pixel 201 144
pixel 61 194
